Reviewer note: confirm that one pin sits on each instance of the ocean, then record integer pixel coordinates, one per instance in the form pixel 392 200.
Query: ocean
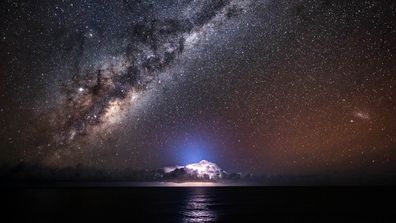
pixel 199 204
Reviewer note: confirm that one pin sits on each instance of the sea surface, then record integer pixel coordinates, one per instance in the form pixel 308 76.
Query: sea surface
pixel 199 203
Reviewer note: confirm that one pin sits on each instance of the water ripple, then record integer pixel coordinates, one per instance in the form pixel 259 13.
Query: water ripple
pixel 197 208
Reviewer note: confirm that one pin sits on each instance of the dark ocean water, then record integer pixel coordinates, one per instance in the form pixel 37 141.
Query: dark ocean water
pixel 200 204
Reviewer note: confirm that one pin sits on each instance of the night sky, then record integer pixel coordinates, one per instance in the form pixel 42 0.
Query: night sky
pixel 271 87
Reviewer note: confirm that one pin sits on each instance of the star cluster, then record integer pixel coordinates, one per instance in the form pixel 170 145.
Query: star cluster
pixel 277 87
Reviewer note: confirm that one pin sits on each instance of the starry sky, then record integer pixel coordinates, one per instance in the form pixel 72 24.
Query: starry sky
pixel 264 86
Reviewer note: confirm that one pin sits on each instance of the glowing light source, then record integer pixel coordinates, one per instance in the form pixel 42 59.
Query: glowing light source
pixel 193 184
pixel 204 168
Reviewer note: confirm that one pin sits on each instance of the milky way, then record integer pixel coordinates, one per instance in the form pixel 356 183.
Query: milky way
pixel 96 95
pixel 264 86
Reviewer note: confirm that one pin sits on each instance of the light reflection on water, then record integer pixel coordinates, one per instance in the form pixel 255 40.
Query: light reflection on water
pixel 198 207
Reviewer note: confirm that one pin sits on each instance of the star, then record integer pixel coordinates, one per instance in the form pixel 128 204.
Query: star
pixel 270 87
